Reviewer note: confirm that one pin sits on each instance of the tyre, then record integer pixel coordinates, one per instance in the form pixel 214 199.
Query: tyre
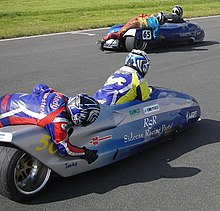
pixel 21 175
pixel 132 43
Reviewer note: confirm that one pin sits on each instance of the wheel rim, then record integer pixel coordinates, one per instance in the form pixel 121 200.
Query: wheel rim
pixel 30 175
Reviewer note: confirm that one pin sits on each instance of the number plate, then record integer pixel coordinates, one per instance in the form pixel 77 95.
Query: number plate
pixel 146 35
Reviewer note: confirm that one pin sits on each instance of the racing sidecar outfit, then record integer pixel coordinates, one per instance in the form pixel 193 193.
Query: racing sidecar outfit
pixel 43 107
pixel 142 21
pixel 122 86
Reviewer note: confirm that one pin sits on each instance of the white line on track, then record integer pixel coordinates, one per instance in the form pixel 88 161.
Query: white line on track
pixel 55 34
pixel 81 32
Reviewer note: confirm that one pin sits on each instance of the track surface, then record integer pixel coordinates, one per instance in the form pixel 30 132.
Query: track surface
pixel 178 175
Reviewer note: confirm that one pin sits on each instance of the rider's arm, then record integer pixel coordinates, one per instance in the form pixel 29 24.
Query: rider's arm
pixel 143 91
pixel 43 88
pixel 40 88
pixel 154 25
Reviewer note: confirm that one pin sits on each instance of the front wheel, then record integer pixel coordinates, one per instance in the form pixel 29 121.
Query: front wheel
pixel 133 43
pixel 21 175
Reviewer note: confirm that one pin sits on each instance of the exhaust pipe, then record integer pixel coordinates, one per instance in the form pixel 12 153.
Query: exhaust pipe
pixel 191 40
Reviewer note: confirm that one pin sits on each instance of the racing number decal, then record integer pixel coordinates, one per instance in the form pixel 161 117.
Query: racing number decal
pixel 45 140
pixel 146 34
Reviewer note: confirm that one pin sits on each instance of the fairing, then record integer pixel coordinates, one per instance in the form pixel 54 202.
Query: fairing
pixel 119 132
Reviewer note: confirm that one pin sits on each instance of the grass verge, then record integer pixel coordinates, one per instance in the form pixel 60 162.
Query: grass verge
pixel 34 17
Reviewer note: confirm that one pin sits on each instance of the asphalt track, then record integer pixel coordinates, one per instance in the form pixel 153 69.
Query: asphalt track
pixel 179 175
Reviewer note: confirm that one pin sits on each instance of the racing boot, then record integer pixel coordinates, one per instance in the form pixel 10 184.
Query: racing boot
pixel 101 42
pixel 102 45
pixel 90 155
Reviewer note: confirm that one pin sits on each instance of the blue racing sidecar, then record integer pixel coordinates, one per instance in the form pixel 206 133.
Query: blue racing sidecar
pixel 186 32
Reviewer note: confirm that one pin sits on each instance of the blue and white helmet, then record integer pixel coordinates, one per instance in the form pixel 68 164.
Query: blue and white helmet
pixel 83 109
pixel 138 60
pixel 161 17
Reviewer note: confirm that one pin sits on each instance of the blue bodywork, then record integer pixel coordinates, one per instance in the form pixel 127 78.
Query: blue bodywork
pixel 123 130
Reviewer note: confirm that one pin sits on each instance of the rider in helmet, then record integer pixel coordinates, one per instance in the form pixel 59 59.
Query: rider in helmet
pixel 83 109
pixel 177 15
pixel 142 21
pixel 127 83
pixel 161 17
pixel 55 112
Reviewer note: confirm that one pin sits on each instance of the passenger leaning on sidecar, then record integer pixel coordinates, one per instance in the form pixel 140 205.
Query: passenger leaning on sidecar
pixel 147 21
pixel 54 111
pixel 127 83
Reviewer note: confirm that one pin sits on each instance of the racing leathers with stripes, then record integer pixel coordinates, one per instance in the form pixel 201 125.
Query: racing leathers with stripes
pixel 43 107
pixel 122 86
pixel 142 21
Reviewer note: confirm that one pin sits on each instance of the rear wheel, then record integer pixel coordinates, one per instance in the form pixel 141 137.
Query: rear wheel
pixel 133 43
pixel 21 175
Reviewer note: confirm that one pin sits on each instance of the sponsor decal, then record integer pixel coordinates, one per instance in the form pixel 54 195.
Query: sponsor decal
pixel 96 140
pixel 133 137
pixel 158 131
pixel 147 133
pixel 191 115
pixel 185 34
pixel 149 122
pixel 70 165
pixel 43 103
pixel 55 103
pixel 150 129
pixel 134 112
pixel 151 108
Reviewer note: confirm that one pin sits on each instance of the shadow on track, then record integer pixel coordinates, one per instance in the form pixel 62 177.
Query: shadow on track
pixel 149 165
pixel 182 48
pixel 176 48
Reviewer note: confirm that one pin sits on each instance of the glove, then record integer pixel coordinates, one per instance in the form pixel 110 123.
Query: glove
pixel 90 155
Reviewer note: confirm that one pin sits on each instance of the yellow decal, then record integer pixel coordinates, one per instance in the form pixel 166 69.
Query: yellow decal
pixel 45 140
pixel 52 150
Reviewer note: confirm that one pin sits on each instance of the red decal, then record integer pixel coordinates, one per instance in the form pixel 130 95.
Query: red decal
pixel 95 140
